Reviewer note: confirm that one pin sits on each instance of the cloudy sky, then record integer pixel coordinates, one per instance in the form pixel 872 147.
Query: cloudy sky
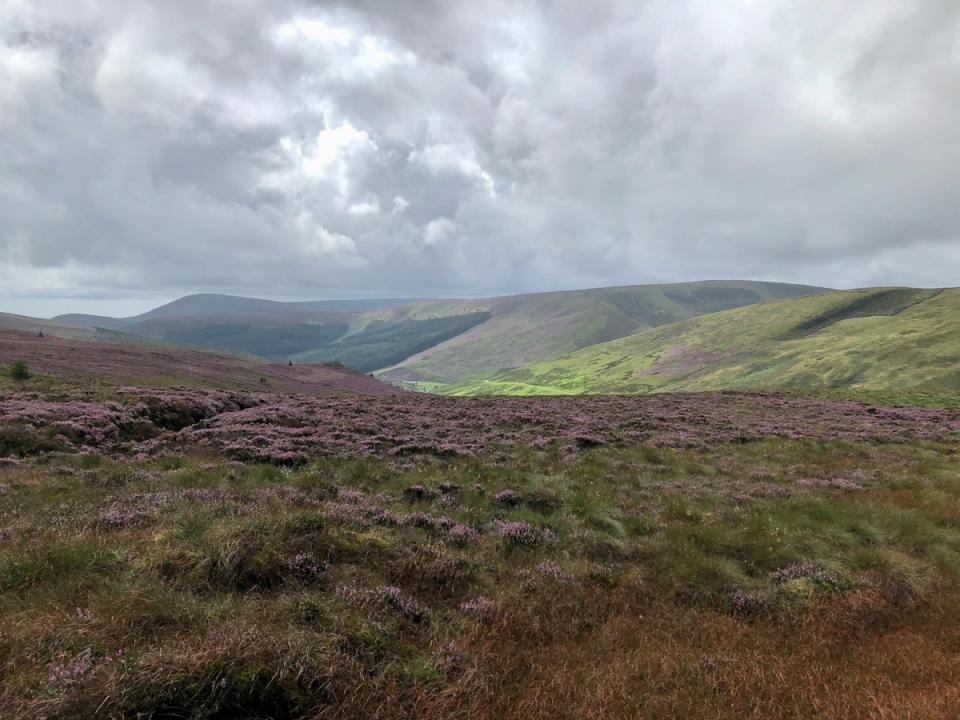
pixel 298 149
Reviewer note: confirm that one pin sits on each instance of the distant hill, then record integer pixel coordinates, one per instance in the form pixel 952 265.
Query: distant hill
pixel 434 341
pixel 716 335
pixel 879 340
pixel 266 328
pixel 55 328
pixel 523 329
pixel 63 361
pixel 207 304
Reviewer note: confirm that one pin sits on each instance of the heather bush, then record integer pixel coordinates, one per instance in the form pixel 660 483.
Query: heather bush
pixel 721 578
pixel 291 431
pixel 306 567
pixel 19 371
pixel 388 597
pixel 461 535
pixel 517 533
pixel 480 605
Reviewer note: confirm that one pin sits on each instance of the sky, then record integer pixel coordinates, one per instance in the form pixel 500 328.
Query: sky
pixel 298 149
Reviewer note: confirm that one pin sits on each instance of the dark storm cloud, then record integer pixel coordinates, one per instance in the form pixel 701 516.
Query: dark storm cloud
pixel 316 149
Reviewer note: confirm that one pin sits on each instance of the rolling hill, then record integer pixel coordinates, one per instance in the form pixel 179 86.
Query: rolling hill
pixel 435 341
pixel 879 340
pixel 528 328
pixel 211 304
pixel 55 328
pixel 58 361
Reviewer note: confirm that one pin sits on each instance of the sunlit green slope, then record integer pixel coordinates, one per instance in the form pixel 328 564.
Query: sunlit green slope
pixel 523 329
pixel 881 340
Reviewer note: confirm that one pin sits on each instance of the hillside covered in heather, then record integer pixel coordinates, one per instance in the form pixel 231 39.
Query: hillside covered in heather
pixel 55 361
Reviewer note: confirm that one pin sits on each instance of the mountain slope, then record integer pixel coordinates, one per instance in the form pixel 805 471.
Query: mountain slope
pixel 429 342
pixel 91 364
pixel 210 304
pixel 874 340
pixel 54 328
pixel 528 328
pixel 266 328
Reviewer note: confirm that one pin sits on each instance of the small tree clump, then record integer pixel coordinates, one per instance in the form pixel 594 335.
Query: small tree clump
pixel 20 371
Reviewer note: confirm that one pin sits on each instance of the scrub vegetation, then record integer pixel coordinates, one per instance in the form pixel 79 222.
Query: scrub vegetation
pixel 710 556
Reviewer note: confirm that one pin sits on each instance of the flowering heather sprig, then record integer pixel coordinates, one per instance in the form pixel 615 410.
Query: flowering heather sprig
pixel 448 658
pixel 518 532
pixel 552 569
pixel 390 597
pixel 448 501
pixel 337 513
pixel 66 672
pixel 305 567
pixel 119 516
pixel 481 605
pixel 351 495
pixel 462 535
pixel 810 570
pixel 408 607
pixel 424 520
pixel 743 603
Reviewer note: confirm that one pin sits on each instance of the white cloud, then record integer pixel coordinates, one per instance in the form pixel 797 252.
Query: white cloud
pixel 313 30
pixel 424 147
pixel 438 231
pixel 365 208
pixel 329 158
pixel 318 242
pixel 25 74
pixel 458 158
pixel 134 78
pixel 334 146
pixel 400 204
pixel 338 50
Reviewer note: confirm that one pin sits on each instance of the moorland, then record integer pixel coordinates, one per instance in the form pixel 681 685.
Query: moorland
pixel 728 510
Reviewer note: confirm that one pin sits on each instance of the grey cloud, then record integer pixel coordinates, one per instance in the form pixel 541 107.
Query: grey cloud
pixel 149 149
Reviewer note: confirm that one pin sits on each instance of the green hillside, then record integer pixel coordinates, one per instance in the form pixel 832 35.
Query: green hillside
pixel 425 343
pixel 897 341
pixel 524 329
pixel 377 343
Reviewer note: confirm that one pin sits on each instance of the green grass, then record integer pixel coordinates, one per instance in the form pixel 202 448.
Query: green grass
pixel 199 608
pixel 898 344
pixel 528 328
pixel 380 343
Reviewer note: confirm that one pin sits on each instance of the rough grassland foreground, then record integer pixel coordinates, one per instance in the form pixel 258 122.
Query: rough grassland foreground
pixel 215 554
